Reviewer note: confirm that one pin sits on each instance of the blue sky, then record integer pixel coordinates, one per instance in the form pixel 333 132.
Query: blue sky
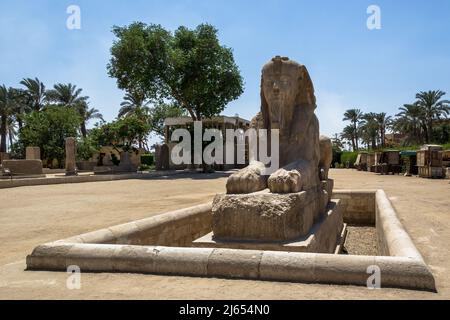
pixel 350 65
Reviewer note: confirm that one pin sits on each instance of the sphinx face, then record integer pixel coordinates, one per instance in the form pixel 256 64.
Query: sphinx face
pixel 280 85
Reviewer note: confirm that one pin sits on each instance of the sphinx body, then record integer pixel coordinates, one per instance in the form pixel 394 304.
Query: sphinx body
pixel 287 104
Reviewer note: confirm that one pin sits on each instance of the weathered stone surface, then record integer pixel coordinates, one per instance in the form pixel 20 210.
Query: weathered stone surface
pixel 23 167
pixel 125 164
pixel 264 216
pixel 33 153
pixel 234 263
pixel 323 237
pixel 249 179
pixel 71 153
pixel 283 181
pixel 326 156
pixel 162 157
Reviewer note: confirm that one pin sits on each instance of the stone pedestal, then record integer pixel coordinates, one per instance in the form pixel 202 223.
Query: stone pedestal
pixel 24 167
pixel 307 221
pixel 263 216
pixel 71 152
pixel 33 153
pixel 325 236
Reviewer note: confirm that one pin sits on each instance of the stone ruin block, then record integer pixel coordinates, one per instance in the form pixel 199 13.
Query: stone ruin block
pixel 265 216
pixel 33 153
pixel 23 167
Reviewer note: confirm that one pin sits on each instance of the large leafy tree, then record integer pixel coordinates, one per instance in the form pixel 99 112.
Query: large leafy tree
pixel 162 111
pixel 48 129
pixel 190 67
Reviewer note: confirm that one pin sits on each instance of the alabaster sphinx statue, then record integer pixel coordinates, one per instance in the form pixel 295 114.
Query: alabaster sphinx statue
pixel 287 104
pixel 290 209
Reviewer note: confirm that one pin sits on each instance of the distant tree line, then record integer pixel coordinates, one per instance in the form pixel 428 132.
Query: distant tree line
pixel 424 121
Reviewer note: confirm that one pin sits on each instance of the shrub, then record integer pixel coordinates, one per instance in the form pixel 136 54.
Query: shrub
pixel 145 167
pixel 350 157
pixel 147 159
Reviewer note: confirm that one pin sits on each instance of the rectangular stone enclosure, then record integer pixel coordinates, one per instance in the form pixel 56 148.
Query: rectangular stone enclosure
pixel 163 244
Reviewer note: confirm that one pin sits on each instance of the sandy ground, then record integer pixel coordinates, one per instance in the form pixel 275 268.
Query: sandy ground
pixel 33 215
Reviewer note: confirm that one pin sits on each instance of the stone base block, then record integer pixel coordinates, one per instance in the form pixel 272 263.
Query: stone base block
pixel 23 167
pixel 266 216
pixel 324 236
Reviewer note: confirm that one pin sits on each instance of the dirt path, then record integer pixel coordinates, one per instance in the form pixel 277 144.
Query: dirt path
pixel 32 215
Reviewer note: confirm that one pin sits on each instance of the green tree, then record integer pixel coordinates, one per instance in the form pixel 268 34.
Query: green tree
pixel 48 129
pixel 21 105
pixel 86 147
pixel 87 114
pixel 409 121
pixel 354 116
pixel 7 108
pixel 433 108
pixel 134 103
pixel 66 95
pixel 369 130
pixel 384 121
pixel 349 134
pixel 162 111
pixel 190 67
pixel 124 133
pixel 35 91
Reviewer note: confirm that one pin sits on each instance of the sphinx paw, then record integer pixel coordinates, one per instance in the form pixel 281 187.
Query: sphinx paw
pixel 283 181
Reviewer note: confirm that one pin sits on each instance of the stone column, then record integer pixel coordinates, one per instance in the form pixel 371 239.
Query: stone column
pixel 71 153
pixel 33 153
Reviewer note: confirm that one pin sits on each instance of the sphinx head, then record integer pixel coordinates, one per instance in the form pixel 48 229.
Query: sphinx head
pixel 285 86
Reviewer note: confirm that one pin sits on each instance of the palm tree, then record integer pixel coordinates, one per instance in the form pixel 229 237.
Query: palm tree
pixel 66 95
pixel 21 104
pixel 349 134
pixel 11 130
pixel 87 114
pixel 433 108
pixel 35 90
pixel 6 112
pixel 383 122
pixel 134 103
pixel 354 116
pixel 410 121
pixel 369 129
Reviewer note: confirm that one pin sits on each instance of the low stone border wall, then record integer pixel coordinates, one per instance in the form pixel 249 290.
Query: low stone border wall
pixel 17 182
pixel 113 250
pixel 402 272
pixel 359 206
pixel 175 228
